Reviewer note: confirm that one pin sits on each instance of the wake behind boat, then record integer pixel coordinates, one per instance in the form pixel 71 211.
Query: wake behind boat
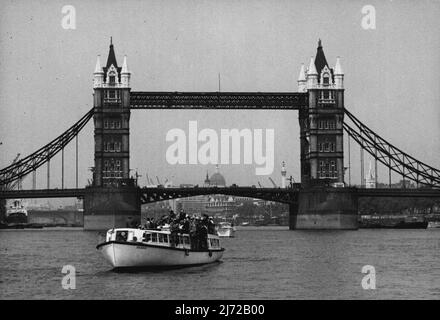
pixel 127 247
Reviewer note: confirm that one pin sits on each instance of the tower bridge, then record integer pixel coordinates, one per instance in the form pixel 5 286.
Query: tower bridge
pixel 321 201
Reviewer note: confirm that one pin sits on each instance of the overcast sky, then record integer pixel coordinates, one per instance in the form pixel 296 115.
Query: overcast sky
pixel 392 76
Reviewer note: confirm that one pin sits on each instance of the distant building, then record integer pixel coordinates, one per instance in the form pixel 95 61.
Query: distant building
pixel 217 179
pixel 210 204
pixel 370 179
pixel 283 175
pixel 192 205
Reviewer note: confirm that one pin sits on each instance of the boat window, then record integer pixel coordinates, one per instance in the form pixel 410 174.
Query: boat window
pixel 154 237
pixel 160 236
pixel 121 235
pixel 147 237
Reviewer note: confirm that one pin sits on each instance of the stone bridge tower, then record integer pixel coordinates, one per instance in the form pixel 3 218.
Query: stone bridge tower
pixel 321 123
pixel 112 200
pixel 324 202
pixel 111 101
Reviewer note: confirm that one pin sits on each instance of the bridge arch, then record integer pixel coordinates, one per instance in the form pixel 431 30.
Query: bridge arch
pixel 287 196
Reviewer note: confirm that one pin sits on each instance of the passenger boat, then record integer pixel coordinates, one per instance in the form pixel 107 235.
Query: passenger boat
pixel 434 224
pixel 16 214
pixel 225 229
pixel 386 222
pixel 136 248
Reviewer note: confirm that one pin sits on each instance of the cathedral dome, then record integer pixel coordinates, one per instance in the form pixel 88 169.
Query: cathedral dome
pixel 217 179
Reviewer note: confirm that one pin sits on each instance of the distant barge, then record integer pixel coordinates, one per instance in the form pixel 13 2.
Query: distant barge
pixel 392 222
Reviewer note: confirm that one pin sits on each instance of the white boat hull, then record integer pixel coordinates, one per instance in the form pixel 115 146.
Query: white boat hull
pixel 121 255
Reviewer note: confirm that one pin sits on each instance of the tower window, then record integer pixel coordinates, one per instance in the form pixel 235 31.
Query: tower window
pixel 112 79
pixel 333 171
pixel 326 81
pixel 321 169
pixel 112 94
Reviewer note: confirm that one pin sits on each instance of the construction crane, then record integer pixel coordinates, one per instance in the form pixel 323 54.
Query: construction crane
pixel 274 185
pixel 260 184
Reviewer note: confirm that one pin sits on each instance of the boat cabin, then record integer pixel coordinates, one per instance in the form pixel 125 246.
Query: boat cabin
pixel 157 238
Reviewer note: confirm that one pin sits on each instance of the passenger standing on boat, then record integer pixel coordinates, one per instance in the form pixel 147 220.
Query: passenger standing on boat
pixel 203 236
pixel 186 225
pixel 171 217
pixel 193 234
pixel 147 224
pixel 182 215
pixel 174 229
pixel 211 226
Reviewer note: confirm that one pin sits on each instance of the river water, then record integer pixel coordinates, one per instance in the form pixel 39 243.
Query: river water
pixel 259 263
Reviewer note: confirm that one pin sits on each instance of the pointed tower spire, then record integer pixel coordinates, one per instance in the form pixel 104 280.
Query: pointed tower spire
pixel 125 74
pixel 98 68
pixel 98 75
pixel 302 73
pixel 111 60
pixel 338 68
pixel 320 60
pixel 312 68
pixel 339 75
pixel 302 81
pixel 124 65
pixel 312 75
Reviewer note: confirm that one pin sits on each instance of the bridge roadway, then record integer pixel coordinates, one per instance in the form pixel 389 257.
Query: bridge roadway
pixel 288 195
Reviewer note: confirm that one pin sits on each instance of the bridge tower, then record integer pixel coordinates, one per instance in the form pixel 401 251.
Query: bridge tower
pixel 321 123
pixel 111 100
pixel 323 203
pixel 112 199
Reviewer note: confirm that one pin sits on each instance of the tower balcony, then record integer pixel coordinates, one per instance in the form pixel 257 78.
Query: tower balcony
pixel 112 101
pixel 326 103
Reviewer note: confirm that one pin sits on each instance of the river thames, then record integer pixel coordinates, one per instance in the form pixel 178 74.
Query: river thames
pixel 259 263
